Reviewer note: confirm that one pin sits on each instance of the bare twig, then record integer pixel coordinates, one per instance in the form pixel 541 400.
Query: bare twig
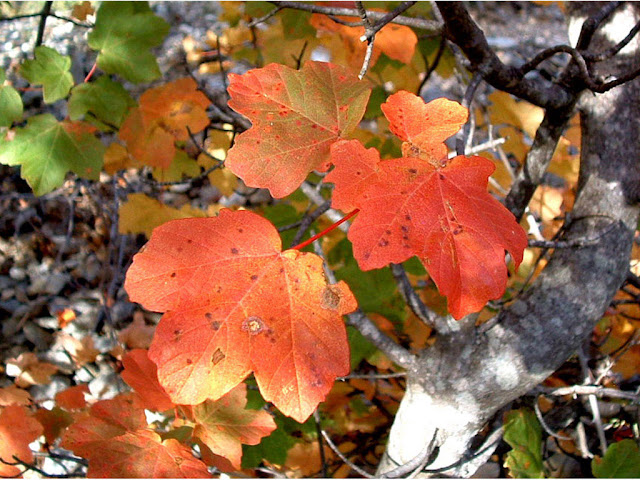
pixel 389 17
pixel 434 65
pixel 544 425
pixel 369 36
pixel 46 11
pixel 372 376
pixel 370 330
pixel 342 456
pixel 598 57
pixel 323 459
pixel 419 23
pixel 463 135
pixel 596 390
pixel 306 222
pixel 257 21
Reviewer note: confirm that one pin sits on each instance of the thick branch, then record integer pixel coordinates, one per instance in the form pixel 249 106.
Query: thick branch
pixel 460 384
pixel 463 31
pixel 538 159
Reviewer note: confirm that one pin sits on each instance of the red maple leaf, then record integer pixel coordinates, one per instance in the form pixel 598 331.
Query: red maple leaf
pixel 114 438
pixel 142 375
pixel 223 425
pixel 429 206
pixel 17 431
pixel 236 303
pixel 296 116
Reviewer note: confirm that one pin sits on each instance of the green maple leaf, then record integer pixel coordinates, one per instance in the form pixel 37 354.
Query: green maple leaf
pixel 621 460
pixel 124 34
pixel 106 101
pixel 10 103
pixel 523 433
pixel 47 149
pixel 51 70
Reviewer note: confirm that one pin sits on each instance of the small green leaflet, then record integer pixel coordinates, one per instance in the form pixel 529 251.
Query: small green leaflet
pixel 522 432
pixel 375 290
pixel 51 70
pixel 621 460
pixel 102 103
pixel 124 34
pixel 10 103
pixel 47 149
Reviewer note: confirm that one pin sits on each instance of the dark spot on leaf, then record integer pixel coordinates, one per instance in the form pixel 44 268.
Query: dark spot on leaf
pixel 217 357
pixel 413 170
pixel 177 332
pixel 383 242
pixel 441 176
pixel 254 277
pixel 173 275
pixel 388 232
pixel 234 251
pixel 208 315
pixel 281 270
pixel 215 325
pixel 189 240
pixel 189 361
pixel 240 230
pixel 407 217
pixel 253 325
pixel 178 460
pixel 458 230
pixel 404 228
pixel 330 298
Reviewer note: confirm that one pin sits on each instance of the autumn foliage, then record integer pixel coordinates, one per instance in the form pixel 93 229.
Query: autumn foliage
pixel 246 333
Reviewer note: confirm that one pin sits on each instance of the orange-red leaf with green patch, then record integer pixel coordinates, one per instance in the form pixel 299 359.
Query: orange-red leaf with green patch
pixel 224 425
pixel 235 303
pixel 17 431
pixel 296 116
pixel 142 375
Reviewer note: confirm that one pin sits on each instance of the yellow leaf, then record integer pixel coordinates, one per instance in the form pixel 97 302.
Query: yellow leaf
pixel 117 158
pixel 181 166
pixel 141 214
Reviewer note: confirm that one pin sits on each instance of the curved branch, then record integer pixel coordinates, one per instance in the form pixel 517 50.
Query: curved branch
pixel 463 31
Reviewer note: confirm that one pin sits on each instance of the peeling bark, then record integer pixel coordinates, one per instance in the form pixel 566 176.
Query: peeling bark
pixel 467 376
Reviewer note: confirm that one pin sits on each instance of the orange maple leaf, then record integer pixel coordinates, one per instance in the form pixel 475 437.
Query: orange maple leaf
pixel 17 431
pixel 114 438
pixel 142 375
pixel 398 42
pixel 296 116
pixel 165 115
pixel 236 303
pixel 224 425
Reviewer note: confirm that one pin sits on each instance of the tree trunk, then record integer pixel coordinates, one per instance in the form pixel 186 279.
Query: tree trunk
pixel 467 376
